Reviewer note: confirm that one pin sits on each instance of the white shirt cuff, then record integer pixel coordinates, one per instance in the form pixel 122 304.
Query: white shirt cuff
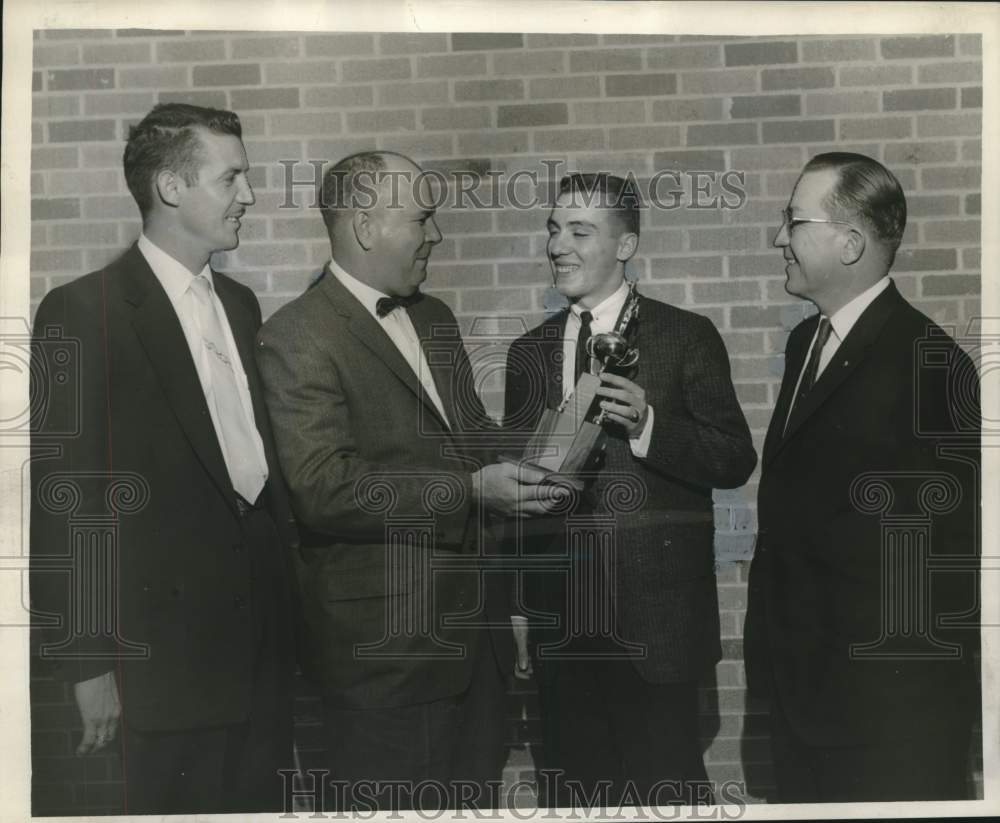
pixel 640 444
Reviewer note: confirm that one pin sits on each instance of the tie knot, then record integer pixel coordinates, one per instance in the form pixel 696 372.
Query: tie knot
pixel 200 284
pixel 385 305
pixel 585 318
pixel 823 332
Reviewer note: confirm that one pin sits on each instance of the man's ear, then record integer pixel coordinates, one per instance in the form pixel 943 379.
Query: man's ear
pixel 853 249
pixel 364 229
pixel 168 184
pixel 627 244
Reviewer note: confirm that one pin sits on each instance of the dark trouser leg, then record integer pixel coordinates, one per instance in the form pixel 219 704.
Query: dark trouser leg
pixel 794 776
pixel 208 771
pixel 408 756
pixel 480 746
pixel 263 746
pixel 616 738
pixel 232 768
pixel 379 755
pixel 580 760
pixel 929 767
pixel 258 751
pixel 657 731
pixel 174 772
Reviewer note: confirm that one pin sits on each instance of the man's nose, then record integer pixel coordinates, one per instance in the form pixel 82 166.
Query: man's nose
pixel 246 195
pixel 557 244
pixel 432 234
pixel 781 238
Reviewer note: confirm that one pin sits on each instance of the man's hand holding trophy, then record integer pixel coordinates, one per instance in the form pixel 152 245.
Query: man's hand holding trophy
pixel 567 439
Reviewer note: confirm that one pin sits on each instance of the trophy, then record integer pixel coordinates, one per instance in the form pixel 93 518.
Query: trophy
pixel 566 438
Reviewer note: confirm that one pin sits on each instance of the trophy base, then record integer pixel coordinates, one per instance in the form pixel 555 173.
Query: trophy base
pixel 565 441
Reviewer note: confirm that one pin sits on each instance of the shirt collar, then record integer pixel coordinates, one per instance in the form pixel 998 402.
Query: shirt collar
pixel 366 295
pixel 173 275
pixel 606 312
pixel 846 316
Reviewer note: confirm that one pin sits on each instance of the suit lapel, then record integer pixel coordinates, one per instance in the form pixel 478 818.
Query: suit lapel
pixel 794 360
pixel 159 332
pixel 852 352
pixel 372 336
pixel 439 348
pixel 551 345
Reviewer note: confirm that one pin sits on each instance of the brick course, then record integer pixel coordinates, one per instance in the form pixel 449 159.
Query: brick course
pixel 506 101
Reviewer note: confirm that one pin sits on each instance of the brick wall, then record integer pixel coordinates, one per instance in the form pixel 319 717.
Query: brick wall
pixel 506 102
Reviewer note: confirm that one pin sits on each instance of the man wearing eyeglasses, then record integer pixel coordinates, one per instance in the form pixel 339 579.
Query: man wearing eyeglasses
pixel 869 479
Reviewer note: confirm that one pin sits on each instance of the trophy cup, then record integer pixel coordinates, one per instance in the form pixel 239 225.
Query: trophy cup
pixel 567 438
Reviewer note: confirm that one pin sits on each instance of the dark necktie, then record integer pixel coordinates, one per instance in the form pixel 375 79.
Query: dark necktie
pixel 812 367
pixel 582 358
pixel 809 375
pixel 388 304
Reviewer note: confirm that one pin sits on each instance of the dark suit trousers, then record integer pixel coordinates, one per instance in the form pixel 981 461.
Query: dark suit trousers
pixel 921 768
pixel 604 726
pixel 226 769
pixel 422 756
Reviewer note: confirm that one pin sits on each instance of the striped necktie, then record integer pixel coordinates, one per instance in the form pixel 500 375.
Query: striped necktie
pixel 234 430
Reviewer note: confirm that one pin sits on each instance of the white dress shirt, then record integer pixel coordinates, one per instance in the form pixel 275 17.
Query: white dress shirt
pixel 399 327
pixel 604 317
pixel 176 281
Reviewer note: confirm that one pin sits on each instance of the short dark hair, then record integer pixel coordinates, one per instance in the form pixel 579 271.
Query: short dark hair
pixel 166 139
pixel 606 191
pixel 867 192
pixel 338 192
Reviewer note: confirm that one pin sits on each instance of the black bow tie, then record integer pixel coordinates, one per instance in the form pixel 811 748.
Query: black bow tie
pixel 388 304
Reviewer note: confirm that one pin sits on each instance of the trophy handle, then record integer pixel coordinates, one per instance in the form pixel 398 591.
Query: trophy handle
pixel 629 360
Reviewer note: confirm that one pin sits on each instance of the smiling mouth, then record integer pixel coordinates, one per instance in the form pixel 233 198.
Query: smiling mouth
pixel 564 268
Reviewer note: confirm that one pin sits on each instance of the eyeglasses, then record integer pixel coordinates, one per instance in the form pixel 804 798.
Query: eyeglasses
pixel 789 222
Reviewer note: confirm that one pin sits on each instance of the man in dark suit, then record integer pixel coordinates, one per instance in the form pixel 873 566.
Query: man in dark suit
pixel 870 477
pixel 181 630
pixel 619 700
pixel 381 435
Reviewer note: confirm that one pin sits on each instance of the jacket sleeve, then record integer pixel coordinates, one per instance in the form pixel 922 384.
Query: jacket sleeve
pixel 69 465
pixel 945 442
pixel 705 440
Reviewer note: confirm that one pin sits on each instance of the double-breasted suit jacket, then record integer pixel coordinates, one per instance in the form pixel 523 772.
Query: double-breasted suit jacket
pixel 665 596
pixel 123 443
pixel 879 457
